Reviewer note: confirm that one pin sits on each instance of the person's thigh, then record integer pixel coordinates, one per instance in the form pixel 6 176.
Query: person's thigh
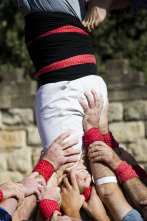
pixel 58 108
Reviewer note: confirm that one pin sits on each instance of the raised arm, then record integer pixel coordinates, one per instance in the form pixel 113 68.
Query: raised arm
pixel 106 183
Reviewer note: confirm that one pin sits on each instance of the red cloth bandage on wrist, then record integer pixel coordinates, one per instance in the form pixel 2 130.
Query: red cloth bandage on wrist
pixel 44 168
pixel 87 193
pixel 140 171
pixel 92 135
pixel 124 172
pixel 109 140
pixel 47 207
pixel 1 196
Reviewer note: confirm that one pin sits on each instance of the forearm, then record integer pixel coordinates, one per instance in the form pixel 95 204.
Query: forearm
pixel 136 191
pixel 25 210
pixel 73 214
pixel 110 193
pixel 9 205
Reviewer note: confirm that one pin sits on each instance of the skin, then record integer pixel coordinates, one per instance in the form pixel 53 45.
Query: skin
pixel 109 193
pixel 135 189
pixel 71 191
pixel 15 190
pixel 52 193
pixel 137 192
pixel 96 13
pixel 57 217
pixel 58 154
pixel 34 185
pixel 98 9
pixel 94 207
pixel 9 205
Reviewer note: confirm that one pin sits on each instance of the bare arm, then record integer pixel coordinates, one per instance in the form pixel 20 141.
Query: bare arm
pixel 9 205
pixel 135 189
pixel 110 193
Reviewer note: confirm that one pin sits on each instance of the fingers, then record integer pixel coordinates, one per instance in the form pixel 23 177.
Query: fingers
pixel 69 143
pixel 89 99
pixel 73 178
pixel 66 183
pixel 55 215
pixel 72 151
pixel 40 181
pixel 33 175
pixel 98 143
pixel 62 137
pixel 38 194
pixel 72 159
pixel 95 101
pixel 19 193
pixel 95 97
pixel 66 167
pixel 84 105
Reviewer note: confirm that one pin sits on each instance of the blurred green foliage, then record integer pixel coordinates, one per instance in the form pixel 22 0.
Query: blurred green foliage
pixel 122 36
pixel 119 36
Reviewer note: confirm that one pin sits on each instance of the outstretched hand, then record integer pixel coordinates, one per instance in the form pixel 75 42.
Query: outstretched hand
pixel 61 152
pixel 92 110
pixel 71 200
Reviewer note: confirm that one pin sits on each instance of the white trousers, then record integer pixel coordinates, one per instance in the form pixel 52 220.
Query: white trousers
pixel 58 109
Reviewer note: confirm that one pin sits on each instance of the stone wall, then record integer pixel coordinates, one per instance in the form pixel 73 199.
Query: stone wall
pixel 20 144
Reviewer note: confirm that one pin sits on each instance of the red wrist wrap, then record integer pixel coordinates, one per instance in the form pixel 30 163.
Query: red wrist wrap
pixel 140 171
pixel 109 140
pixel 1 196
pixel 87 193
pixel 92 135
pixel 47 207
pixel 124 172
pixel 44 168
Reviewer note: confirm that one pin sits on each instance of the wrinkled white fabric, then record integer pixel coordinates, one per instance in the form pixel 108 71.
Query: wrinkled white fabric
pixel 58 109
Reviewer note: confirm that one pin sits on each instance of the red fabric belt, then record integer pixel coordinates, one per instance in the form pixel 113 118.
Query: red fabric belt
pixel 76 60
pixel 63 29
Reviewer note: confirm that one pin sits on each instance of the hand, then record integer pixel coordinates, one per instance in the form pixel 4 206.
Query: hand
pixel 94 207
pixel 92 110
pixel 52 193
pixel 83 178
pixel 57 217
pixel 71 200
pixel 103 122
pixel 125 156
pixel 57 177
pixel 60 153
pixel 15 190
pixel 99 151
pixel 96 13
pixel 34 185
